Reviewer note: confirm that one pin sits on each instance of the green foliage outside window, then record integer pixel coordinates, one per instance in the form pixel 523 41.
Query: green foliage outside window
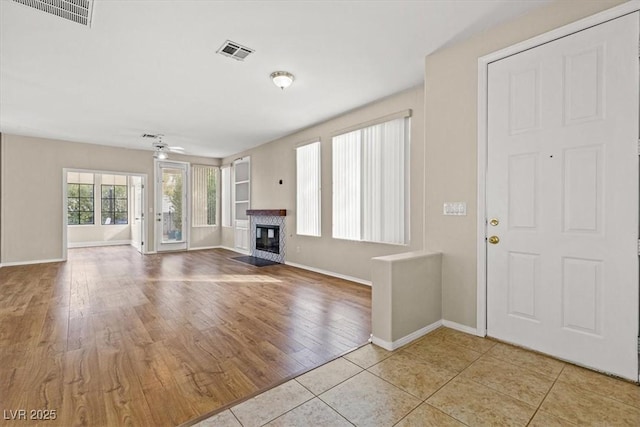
pixel 80 204
pixel 211 197
pixel 115 205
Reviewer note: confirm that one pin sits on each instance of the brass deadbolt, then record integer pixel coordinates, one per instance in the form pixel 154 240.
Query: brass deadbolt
pixel 494 221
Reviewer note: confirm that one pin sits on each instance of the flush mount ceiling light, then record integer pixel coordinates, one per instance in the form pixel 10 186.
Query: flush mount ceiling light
pixel 282 79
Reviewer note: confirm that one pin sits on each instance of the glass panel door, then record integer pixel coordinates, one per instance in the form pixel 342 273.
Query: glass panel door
pixel 171 206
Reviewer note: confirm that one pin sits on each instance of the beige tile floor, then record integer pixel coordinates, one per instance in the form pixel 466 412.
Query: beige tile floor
pixel 446 378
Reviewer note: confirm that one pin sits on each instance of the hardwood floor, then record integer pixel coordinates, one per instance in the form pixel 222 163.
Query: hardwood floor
pixel 114 338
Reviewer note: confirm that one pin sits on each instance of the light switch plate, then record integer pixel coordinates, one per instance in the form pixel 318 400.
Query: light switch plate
pixel 455 208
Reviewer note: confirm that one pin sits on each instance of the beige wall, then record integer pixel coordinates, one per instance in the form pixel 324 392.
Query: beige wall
pixel 32 192
pixel 80 235
pixel 1 144
pixel 406 296
pixel 451 87
pixel 276 160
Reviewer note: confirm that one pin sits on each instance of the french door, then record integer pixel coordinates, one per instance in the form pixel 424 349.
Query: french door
pixel 562 198
pixel 172 213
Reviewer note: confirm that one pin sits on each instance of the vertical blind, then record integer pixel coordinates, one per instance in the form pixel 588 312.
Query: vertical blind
pixel 226 196
pixel 308 189
pixel 204 195
pixel 347 153
pixel 370 183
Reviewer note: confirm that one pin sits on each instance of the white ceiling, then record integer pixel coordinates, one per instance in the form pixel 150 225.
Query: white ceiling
pixel 150 66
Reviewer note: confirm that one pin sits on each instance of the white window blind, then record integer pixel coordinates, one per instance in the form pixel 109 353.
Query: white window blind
pixel 370 183
pixel 308 189
pixel 347 163
pixel 204 195
pixel 225 182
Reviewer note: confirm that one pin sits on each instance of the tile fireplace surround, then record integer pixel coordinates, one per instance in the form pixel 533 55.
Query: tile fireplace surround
pixel 273 217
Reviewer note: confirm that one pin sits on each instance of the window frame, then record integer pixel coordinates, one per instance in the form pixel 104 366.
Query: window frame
pixel 226 196
pixel 114 211
pixel 79 198
pixel 195 222
pixel 361 169
pixel 317 144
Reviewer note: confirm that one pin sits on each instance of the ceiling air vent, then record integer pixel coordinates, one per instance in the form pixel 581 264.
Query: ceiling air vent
pixel 74 10
pixel 234 50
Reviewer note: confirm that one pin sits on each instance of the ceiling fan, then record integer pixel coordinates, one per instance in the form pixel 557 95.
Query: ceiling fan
pixel 162 149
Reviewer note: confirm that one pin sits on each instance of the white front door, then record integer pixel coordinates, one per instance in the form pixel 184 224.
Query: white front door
pixel 172 209
pixel 562 198
pixel 137 212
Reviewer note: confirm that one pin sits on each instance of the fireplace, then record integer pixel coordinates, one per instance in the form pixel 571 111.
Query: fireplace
pixel 268 238
pixel 268 234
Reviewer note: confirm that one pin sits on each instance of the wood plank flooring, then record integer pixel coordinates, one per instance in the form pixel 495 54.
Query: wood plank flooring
pixel 115 338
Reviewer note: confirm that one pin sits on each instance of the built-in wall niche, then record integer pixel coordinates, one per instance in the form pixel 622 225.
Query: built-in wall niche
pixel 242 189
pixel 242 201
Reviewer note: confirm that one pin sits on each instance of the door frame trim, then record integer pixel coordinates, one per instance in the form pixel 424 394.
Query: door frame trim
pixel 157 202
pixel 65 238
pixel 483 73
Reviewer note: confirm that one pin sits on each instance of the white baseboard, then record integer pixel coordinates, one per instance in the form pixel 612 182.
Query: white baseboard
pixel 329 273
pixel 406 339
pixel 461 327
pixel 233 250
pixel 98 243
pixel 201 248
pixel 226 248
pixel 35 261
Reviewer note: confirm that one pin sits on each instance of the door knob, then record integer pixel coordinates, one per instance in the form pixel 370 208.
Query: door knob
pixel 494 221
pixel 494 240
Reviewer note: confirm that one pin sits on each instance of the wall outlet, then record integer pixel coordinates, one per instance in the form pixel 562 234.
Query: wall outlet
pixel 455 208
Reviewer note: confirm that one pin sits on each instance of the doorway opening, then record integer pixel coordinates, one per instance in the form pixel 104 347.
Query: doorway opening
pixel 553 295
pixel 172 209
pixel 103 208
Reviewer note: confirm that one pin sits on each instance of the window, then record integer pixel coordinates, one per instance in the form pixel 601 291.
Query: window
pixel 308 189
pixel 80 198
pixel 370 183
pixel 114 200
pixel 226 196
pixel 205 191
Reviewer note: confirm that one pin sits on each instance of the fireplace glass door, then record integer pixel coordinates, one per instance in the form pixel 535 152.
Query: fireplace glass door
pixel 268 238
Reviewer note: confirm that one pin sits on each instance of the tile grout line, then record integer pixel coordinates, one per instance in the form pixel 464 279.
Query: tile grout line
pixel 315 396
pixel 331 407
pixel 546 395
pixel 444 385
pixel 341 382
pixel 596 392
pixel 424 401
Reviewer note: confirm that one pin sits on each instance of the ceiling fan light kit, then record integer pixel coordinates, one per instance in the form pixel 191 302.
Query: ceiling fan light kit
pixel 160 155
pixel 160 148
